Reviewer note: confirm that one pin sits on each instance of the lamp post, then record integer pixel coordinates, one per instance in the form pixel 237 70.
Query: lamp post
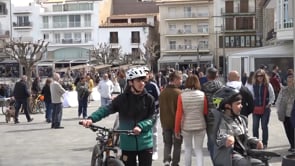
pixel 198 56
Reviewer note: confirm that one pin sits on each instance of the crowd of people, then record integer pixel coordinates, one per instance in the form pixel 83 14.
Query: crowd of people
pixel 185 103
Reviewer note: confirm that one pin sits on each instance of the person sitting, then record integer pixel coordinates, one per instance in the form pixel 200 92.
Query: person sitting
pixel 232 139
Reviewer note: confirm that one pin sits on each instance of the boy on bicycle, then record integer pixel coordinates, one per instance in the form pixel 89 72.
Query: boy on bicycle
pixel 232 139
pixel 136 110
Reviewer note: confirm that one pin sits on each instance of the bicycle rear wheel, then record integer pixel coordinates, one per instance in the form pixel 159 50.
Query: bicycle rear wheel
pixel 97 156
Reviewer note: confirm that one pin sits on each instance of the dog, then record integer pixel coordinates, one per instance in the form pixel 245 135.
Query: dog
pixel 10 111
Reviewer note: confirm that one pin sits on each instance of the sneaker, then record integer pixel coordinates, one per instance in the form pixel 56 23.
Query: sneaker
pixel 155 156
pixel 264 146
pixel 166 163
pixel 16 122
pixel 291 150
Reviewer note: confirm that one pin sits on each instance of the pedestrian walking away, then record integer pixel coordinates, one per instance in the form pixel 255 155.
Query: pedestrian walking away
pixel 136 109
pixel 168 105
pixel 190 120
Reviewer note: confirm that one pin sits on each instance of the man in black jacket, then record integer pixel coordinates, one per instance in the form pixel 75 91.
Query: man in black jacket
pixel 21 95
pixel 247 101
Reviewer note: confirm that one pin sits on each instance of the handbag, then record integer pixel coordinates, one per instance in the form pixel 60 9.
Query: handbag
pixel 259 110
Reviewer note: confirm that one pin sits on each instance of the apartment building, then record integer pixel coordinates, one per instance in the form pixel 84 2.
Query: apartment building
pixel 278 39
pixel 71 28
pixel 5 26
pixel 187 38
pixel 126 26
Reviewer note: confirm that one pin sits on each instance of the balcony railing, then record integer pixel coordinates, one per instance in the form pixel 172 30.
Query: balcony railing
pixel 237 10
pixel 187 15
pixel 22 24
pixel 71 41
pixel 182 31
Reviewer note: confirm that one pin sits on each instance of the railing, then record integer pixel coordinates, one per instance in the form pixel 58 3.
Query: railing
pixel 187 15
pixel 23 24
pixel 238 10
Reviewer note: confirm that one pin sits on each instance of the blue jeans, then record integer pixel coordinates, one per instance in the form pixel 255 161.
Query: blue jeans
pixel 82 108
pixel 48 114
pixel 264 118
pixel 56 114
pixel 105 101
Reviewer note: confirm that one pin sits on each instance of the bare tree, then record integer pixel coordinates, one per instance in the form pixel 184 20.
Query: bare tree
pixel 152 55
pixel 101 53
pixel 115 55
pixel 27 54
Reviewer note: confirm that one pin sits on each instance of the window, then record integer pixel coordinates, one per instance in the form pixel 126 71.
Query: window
pixel 172 12
pixel 135 37
pixel 45 22
pixel 77 37
pixel 74 21
pixel 57 8
pixel 3 10
pixel 202 28
pixel 23 21
pixel 88 37
pixel 226 41
pixel 187 44
pixel 59 21
pixel 237 41
pixel 87 20
pixel 172 28
pixel 57 38
pixel 136 53
pixel 45 36
pixel 243 41
pixel 187 29
pixel 203 44
pixel 172 45
pixel 114 37
pixel 247 41
pixel 187 12
pixel 67 38
pixel 232 41
pixel 253 42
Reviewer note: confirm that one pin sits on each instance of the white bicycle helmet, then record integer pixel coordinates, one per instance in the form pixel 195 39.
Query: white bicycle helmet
pixel 145 68
pixel 135 73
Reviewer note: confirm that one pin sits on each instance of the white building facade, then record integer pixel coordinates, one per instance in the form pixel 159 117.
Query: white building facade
pixel 5 26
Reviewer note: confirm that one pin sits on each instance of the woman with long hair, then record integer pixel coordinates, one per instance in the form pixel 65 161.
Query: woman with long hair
pixel 263 98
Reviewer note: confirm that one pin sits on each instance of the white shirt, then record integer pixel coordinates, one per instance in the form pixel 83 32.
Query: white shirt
pixel 105 88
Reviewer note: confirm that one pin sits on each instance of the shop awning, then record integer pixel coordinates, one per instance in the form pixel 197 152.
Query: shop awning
pixel 184 58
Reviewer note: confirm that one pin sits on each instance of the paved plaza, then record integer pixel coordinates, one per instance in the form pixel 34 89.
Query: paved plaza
pixel 36 144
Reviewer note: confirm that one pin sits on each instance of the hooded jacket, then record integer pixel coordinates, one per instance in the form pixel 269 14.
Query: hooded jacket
pixel 134 110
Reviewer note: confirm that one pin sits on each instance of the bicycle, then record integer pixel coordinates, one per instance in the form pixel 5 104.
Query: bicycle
pixel 37 104
pixel 262 155
pixel 105 152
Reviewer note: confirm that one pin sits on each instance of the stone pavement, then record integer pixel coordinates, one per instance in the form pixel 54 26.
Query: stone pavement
pixel 35 143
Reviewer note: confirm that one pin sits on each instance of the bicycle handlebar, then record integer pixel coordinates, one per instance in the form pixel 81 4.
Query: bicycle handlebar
pixel 95 128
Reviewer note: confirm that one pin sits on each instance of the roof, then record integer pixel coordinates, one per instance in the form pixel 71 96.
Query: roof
pixel 280 50
pixel 133 7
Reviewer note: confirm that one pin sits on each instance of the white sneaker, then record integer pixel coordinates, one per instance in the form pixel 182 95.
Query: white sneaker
pixel 155 156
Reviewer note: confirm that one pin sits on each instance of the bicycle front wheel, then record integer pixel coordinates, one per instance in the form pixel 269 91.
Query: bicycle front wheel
pixel 97 156
pixel 114 162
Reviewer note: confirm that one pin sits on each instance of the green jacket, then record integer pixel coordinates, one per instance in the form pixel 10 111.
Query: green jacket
pixel 134 110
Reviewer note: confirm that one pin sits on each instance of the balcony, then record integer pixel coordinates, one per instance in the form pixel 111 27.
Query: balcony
pixel 182 32
pixel 22 25
pixel 187 16
pixel 187 48
pixel 237 11
pixel 71 41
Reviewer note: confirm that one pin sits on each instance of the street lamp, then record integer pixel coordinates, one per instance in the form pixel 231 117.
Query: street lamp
pixel 198 56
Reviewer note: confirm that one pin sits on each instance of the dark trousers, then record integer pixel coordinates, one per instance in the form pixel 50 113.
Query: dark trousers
pixel 18 104
pixel 82 108
pixel 289 131
pixel 171 141
pixel 56 114
pixel 144 157
pixel 48 114
pixel 264 118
